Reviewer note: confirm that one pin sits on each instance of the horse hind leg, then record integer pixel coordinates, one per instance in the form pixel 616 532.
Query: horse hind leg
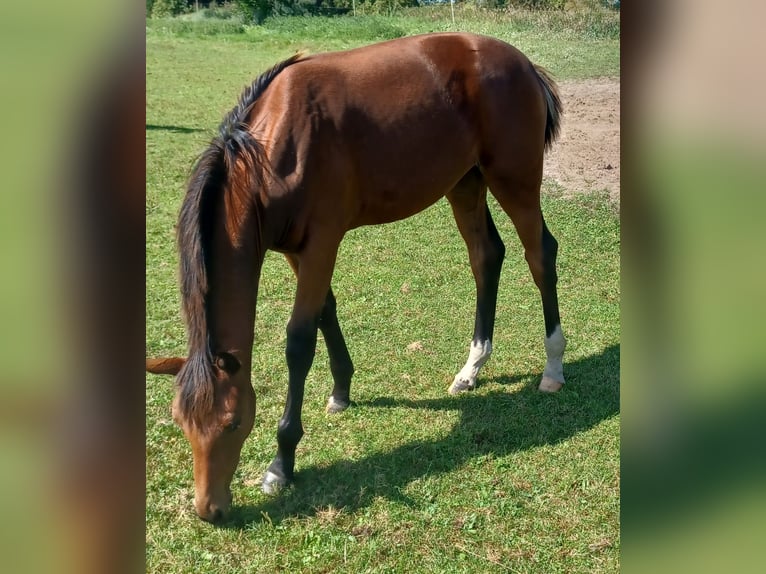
pixel 555 343
pixel 341 366
pixel 520 199
pixel 485 252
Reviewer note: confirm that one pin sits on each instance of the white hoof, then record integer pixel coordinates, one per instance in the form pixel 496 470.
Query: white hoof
pixel 460 385
pixel 334 407
pixel 548 385
pixel 273 484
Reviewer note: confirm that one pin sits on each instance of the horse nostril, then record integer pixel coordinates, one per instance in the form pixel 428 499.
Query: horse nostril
pixel 217 515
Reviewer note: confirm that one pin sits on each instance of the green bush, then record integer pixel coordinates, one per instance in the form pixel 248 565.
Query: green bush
pixel 165 8
pixel 222 12
pixel 256 10
pixel 384 7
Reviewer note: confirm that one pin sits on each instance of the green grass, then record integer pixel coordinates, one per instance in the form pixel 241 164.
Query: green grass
pixel 409 478
pixel 571 44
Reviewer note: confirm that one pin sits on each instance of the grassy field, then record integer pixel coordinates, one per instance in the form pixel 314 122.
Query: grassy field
pixel 504 479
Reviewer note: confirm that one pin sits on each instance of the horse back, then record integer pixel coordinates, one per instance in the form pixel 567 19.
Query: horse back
pixel 379 133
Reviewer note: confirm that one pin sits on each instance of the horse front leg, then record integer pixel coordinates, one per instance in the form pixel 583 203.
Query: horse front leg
pixel 299 353
pixel 314 274
pixel 341 366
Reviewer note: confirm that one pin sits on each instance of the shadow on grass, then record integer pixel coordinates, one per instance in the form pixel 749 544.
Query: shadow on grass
pixel 496 422
pixel 174 129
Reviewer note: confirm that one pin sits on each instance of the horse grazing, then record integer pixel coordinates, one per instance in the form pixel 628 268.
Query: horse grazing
pixel 319 145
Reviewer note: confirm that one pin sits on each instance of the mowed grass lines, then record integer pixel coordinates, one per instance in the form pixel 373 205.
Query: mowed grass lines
pixel 409 479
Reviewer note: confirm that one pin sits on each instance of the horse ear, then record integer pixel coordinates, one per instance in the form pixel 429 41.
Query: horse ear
pixel 227 362
pixel 165 365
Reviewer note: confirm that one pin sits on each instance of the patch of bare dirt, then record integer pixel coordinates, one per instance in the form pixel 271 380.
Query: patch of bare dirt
pixel 586 157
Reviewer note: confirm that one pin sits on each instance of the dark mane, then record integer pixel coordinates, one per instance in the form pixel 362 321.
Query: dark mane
pixel 231 164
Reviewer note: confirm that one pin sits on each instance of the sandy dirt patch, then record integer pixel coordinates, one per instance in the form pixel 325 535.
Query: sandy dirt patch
pixel 586 158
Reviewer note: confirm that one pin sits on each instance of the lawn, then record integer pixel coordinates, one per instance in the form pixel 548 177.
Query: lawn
pixel 409 478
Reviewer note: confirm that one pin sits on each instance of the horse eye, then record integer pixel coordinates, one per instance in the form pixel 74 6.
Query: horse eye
pixel 232 426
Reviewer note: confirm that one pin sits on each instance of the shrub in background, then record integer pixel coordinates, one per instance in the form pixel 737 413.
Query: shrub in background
pixel 165 8
pixel 255 10
pixel 226 11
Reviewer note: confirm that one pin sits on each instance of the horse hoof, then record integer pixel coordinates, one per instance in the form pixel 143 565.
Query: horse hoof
pixel 548 385
pixel 273 484
pixel 335 406
pixel 460 385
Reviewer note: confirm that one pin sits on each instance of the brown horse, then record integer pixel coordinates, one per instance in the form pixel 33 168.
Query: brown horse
pixel 319 145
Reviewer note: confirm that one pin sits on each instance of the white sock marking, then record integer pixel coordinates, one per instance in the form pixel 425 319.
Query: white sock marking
pixel 478 355
pixel 554 349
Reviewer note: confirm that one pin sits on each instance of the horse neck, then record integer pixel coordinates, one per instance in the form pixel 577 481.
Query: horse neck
pixel 234 273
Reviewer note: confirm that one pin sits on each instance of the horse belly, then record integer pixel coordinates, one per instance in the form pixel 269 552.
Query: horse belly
pixel 389 205
pixel 410 173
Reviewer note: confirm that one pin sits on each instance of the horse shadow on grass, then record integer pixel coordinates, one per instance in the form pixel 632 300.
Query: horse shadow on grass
pixel 496 422
pixel 173 129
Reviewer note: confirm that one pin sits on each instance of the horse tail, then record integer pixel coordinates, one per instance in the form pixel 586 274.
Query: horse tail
pixel 553 103
pixel 231 165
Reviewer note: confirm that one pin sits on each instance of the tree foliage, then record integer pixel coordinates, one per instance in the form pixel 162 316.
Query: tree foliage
pixel 165 8
pixel 256 10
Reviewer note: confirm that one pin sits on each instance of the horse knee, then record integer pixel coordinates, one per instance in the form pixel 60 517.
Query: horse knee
pixel 301 346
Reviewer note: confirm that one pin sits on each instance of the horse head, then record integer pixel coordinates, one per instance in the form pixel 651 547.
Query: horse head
pixel 216 433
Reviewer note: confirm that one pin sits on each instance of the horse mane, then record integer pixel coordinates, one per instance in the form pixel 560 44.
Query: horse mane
pixel 231 164
pixel 553 103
